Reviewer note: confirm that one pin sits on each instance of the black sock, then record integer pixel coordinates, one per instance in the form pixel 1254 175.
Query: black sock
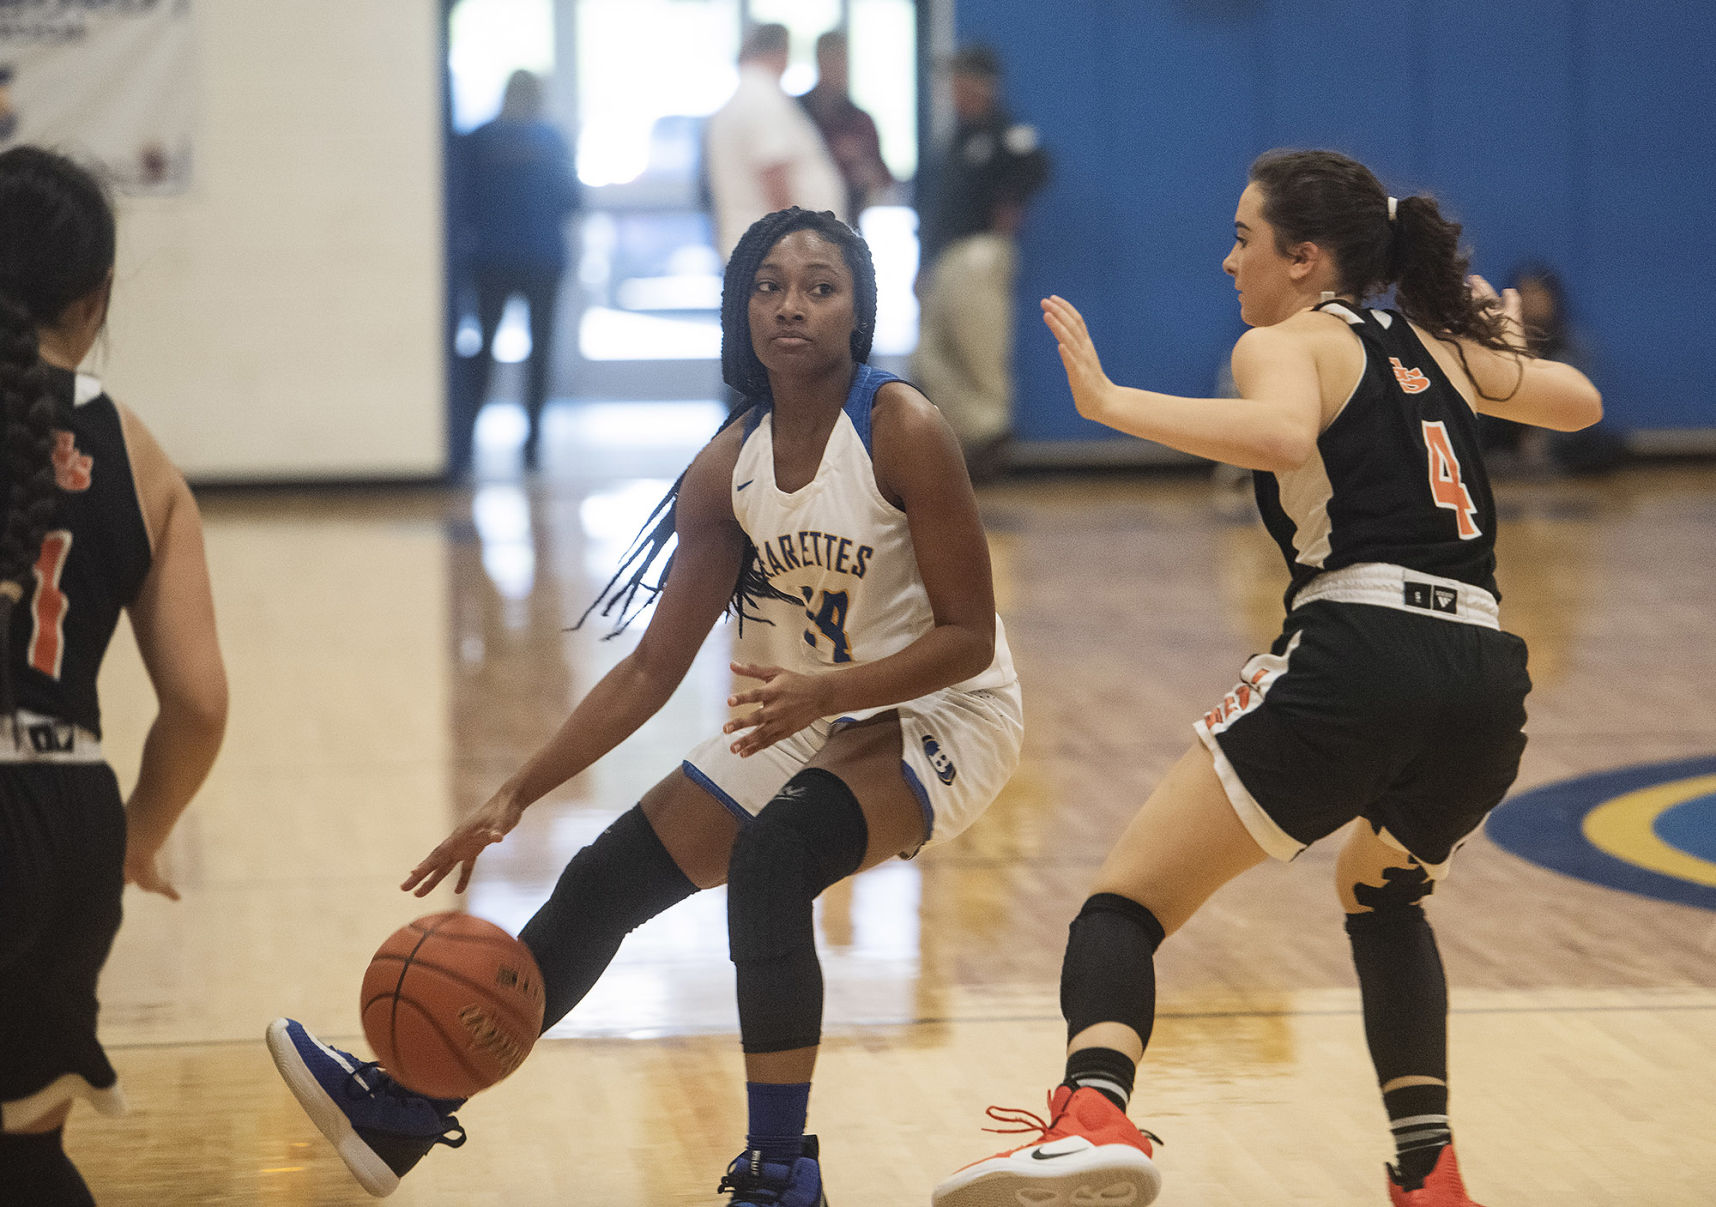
pixel 1418 1117
pixel 1104 1070
pixel 36 1170
pixel 611 887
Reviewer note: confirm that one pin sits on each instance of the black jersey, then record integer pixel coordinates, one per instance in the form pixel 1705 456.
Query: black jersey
pixel 92 564
pixel 1398 476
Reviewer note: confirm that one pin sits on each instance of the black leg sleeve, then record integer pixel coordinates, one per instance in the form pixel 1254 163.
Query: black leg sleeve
pixel 610 888
pixel 1404 990
pixel 810 836
pixel 1109 974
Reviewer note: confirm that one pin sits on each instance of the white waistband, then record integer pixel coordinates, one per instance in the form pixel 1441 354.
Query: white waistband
pixel 35 738
pixel 1388 586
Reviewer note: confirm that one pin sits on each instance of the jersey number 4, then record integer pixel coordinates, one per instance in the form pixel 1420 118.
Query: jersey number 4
pixel 49 607
pixel 1446 486
pixel 830 621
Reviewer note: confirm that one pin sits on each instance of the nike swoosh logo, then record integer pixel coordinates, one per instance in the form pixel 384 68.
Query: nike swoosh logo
pixel 1038 1154
pixel 745 483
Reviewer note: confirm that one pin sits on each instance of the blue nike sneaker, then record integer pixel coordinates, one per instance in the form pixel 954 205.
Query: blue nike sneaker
pixel 380 1128
pixel 758 1182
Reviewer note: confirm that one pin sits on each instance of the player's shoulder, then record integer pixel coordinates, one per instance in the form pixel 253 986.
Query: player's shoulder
pixel 903 408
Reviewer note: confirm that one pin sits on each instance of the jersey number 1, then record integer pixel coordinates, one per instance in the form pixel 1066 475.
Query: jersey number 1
pixel 48 609
pixel 1446 486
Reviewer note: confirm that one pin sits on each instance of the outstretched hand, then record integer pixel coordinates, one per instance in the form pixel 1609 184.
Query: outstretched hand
pixel 1513 313
pixel 1090 385
pixel 786 702
pixel 493 822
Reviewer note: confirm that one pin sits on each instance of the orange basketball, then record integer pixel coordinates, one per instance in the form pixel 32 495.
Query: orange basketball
pixel 451 1004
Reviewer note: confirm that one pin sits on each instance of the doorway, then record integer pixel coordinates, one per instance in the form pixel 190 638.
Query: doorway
pixel 630 84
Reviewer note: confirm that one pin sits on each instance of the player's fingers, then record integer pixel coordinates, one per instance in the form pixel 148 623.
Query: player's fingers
pixel 748 721
pixel 426 875
pixel 434 878
pixel 1480 287
pixel 752 670
pixel 465 870
pixel 1072 317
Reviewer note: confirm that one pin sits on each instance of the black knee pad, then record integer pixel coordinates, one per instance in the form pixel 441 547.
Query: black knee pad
pixel 811 835
pixel 1404 989
pixel 1109 974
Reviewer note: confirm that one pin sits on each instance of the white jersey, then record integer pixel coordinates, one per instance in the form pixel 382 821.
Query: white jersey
pixel 842 548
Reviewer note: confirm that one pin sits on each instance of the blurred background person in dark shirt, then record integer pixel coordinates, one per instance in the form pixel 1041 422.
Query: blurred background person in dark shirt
pixel 514 191
pixel 850 132
pixel 968 227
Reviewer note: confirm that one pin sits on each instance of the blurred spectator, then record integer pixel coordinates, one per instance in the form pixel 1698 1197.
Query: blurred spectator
pixel 849 132
pixel 1543 307
pixel 514 190
pixel 968 229
pixel 763 153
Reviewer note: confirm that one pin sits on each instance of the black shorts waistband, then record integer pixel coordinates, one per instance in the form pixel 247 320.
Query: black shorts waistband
pixel 1384 585
pixel 31 737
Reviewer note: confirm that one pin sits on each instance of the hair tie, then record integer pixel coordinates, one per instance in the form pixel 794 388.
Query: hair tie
pixel 1393 205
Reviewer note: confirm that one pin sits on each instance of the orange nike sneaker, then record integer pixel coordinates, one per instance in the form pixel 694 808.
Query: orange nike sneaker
pixel 1088 1155
pixel 1442 1188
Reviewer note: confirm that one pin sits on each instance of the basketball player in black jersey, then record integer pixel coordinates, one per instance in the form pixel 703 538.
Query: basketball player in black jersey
pixel 96 521
pixel 1392 697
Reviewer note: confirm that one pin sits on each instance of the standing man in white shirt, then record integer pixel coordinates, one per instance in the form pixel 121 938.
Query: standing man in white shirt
pixel 764 153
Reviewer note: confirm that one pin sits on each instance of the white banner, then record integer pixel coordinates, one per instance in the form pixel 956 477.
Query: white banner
pixel 109 81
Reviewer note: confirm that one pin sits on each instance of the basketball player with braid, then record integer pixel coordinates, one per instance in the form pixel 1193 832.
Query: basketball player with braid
pixel 97 521
pixel 838 491
pixel 1392 698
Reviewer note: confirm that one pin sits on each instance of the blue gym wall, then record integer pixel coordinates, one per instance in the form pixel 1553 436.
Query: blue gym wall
pixel 1575 131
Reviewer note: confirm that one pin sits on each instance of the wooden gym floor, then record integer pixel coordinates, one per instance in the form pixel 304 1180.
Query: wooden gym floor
pixel 394 654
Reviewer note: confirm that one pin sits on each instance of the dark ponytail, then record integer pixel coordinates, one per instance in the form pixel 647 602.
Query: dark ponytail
pixel 741 370
pixel 1325 198
pixel 56 247
pixel 27 412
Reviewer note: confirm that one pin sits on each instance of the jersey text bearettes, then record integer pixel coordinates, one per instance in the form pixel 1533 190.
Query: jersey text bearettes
pixel 839 546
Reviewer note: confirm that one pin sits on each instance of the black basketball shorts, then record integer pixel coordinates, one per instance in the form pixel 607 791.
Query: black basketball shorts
pixel 62 873
pixel 1405 717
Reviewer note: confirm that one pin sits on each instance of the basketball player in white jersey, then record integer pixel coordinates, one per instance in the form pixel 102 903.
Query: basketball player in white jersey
pixel 836 501
pixel 1392 696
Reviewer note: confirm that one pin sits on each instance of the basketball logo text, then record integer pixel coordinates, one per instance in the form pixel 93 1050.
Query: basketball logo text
pixel 491 1040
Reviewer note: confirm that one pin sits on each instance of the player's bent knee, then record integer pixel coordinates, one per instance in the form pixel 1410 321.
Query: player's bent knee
pixel 1394 888
pixel 810 836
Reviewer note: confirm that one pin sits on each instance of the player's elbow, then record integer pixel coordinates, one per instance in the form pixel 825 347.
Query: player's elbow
pixel 977 651
pixel 199 706
pixel 1586 410
pixel 1284 450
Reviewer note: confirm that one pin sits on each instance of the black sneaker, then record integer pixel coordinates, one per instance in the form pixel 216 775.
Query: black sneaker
pixel 380 1128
